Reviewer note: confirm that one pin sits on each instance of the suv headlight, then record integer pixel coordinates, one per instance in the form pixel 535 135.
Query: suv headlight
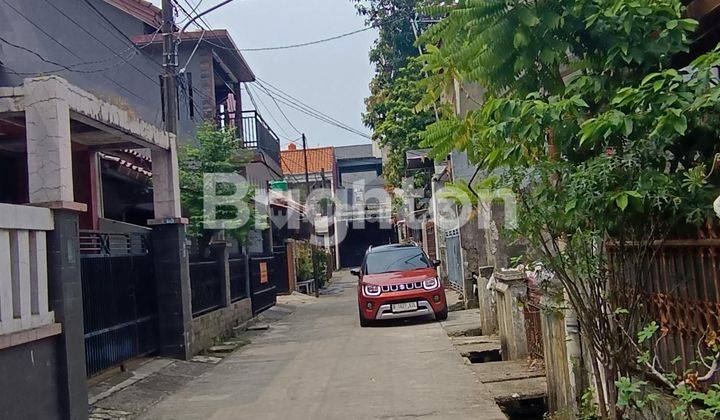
pixel 432 283
pixel 372 290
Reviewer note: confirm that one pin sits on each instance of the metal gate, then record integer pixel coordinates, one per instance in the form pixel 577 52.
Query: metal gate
pixel 454 260
pixel 280 269
pixel 119 299
pixel 263 291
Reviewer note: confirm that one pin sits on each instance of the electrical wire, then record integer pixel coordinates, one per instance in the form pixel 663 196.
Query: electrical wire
pixel 305 44
pixel 280 109
pixel 285 135
pixel 73 53
pixel 293 102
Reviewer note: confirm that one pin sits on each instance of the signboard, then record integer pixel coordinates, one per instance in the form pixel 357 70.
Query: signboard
pixel 281 185
pixel 263 273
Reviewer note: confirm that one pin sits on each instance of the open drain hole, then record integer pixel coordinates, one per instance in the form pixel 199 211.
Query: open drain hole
pixel 526 409
pixel 484 356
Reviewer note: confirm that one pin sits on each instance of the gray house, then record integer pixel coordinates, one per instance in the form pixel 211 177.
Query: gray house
pixel 89 271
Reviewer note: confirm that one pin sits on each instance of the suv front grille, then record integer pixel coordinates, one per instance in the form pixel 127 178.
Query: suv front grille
pixel 400 287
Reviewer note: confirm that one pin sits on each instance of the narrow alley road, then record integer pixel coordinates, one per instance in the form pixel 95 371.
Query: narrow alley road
pixel 319 364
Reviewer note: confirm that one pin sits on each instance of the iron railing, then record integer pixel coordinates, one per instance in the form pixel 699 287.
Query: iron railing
pixel 257 134
pixel 680 290
pixel 206 282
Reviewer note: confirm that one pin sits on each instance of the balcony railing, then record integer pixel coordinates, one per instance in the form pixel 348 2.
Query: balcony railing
pixel 258 135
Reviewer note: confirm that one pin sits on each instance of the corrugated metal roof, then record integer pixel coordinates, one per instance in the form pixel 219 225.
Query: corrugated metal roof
pixel 354 152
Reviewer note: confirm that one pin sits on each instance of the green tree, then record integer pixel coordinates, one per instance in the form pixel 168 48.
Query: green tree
pixel 605 143
pixel 394 90
pixel 215 151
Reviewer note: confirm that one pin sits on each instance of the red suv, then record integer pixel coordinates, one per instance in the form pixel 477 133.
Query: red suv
pixel 399 281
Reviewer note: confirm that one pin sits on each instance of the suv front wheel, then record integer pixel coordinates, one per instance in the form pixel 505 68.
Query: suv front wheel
pixel 442 315
pixel 364 322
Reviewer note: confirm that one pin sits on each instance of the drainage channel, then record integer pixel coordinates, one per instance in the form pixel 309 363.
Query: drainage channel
pixel 484 356
pixel 526 409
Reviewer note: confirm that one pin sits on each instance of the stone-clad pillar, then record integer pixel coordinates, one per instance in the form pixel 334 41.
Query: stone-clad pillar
pixel 49 152
pixel 172 269
pixel 50 184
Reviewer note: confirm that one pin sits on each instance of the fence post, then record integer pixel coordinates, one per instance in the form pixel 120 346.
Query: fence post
pixel 511 286
pixel 221 253
pixel 172 276
pixel 557 367
pixel 486 302
pixel 65 293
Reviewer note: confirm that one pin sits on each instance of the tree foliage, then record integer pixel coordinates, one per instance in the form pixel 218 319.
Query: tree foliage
pixel 215 151
pixel 605 141
pixel 394 91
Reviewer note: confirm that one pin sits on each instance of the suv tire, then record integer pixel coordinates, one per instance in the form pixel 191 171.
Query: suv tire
pixel 442 315
pixel 364 322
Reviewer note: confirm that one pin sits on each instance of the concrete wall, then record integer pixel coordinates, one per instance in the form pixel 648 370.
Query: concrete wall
pixel 129 80
pixel 207 327
pixel 31 371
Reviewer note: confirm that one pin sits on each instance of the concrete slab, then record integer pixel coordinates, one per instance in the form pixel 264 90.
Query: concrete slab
pixel 520 389
pixel 511 370
pixel 318 363
pixel 463 323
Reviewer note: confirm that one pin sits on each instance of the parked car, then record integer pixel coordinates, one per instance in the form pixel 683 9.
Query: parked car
pixel 399 281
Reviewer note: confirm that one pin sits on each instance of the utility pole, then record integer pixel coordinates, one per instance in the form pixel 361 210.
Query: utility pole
pixel 170 66
pixel 307 176
pixel 312 222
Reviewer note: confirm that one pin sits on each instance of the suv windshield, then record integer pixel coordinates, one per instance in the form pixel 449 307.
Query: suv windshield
pixel 398 259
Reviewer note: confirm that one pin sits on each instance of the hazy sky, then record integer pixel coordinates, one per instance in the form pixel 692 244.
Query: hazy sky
pixel 332 77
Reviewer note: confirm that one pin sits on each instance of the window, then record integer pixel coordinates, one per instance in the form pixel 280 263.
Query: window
pixel 395 259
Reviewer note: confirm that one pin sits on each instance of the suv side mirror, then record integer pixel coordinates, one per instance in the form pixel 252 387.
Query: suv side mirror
pixel 436 263
pixel 355 272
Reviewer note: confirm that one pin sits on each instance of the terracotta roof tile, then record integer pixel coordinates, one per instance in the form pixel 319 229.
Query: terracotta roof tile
pixel 321 158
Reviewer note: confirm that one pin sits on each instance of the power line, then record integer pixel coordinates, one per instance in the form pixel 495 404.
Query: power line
pixel 305 44
pixel 280 109
pixel 322 119
pixel 298 105
pixel 270 114
pixel 54 39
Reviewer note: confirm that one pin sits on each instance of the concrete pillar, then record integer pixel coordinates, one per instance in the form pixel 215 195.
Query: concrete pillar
pixel 172 277
pixel 49 152
pixel 511 286
pixel 486 302
pixel 65 298
pixel 50 184
pixel 557 368
pixel 221 253
pixel 172 269
pixel 166 184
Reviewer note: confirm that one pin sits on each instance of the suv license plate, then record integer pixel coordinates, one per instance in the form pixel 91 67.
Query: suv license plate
pixel 404 307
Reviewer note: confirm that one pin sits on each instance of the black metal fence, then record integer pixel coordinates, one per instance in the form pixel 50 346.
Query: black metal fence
pixel 262 285
pixel 206 283
pixel 119 298
pixel 279 270
pixel 238 277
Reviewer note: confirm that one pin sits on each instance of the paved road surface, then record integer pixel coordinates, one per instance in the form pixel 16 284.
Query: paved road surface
pixel 319 364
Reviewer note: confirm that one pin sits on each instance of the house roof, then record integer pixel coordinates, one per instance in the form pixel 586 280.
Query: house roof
pixel 222 45
pixel 141 9
pixel 319 159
